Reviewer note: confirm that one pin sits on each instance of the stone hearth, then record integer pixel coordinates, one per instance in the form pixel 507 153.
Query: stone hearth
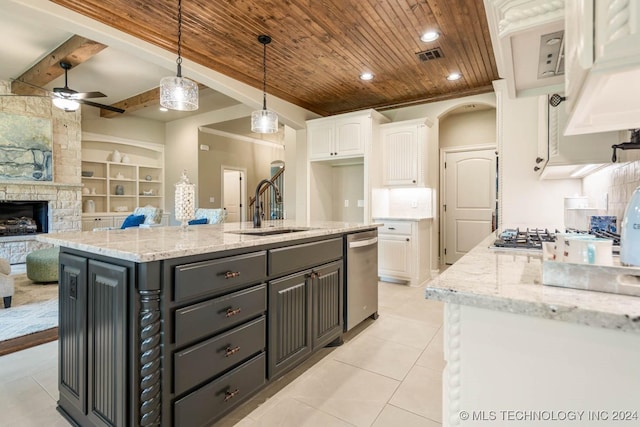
pixel 63 194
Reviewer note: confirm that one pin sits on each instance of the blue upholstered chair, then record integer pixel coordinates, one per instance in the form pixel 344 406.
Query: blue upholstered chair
pixel 213 216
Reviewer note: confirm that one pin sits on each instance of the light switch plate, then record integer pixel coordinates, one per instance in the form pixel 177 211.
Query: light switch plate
pixel 212 199
pixel 361 203
pixel 346 203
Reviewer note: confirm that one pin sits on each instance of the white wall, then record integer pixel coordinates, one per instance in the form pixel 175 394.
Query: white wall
pixel 468 128
pixel 611 188
pixel 525 200
pixel 126 127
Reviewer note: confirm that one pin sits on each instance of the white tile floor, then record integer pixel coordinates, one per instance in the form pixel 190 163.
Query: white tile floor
pixel 388 373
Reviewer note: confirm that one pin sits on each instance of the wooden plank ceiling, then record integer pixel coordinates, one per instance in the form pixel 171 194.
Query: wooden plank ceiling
pixel 320 47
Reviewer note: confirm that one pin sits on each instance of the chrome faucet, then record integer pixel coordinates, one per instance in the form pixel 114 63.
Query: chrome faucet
pixel 257 212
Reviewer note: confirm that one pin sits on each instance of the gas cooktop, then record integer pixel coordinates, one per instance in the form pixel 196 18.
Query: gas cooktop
pixel 532 238
pixel 524 239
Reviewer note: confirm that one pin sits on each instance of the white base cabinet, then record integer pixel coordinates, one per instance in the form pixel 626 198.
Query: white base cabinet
pixel 502 367
pixel 403 250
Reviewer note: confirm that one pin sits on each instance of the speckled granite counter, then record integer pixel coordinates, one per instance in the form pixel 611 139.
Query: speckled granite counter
pixel 510 281
pixel 158 243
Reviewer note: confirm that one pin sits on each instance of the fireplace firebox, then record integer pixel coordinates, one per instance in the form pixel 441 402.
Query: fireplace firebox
pixel 23 217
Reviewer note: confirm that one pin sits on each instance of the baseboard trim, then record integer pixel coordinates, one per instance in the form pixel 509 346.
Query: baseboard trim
pixel 27 341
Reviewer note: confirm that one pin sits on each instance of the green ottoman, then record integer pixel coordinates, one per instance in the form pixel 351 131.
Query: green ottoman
pixel 42 265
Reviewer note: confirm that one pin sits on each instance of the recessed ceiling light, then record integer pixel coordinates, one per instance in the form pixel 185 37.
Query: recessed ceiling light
pixel 430 36
pixel 454 76
pixel 366 76
pixel 163 109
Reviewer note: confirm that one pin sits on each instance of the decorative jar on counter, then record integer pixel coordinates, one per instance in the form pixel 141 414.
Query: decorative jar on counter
pixel 630 232
pixel 185 200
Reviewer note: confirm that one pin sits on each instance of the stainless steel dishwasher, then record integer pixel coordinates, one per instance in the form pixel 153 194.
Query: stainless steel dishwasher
pixel 361 290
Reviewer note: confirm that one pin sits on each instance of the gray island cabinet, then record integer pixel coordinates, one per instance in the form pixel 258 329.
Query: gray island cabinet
pixel 180 327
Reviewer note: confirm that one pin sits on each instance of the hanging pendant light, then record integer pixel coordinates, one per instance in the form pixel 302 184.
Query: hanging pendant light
pixel 264 121
pixel 179 93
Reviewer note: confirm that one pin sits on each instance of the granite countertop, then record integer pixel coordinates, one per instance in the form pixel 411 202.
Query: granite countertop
pixel 402 218
pixel 510 280
pixel 157 243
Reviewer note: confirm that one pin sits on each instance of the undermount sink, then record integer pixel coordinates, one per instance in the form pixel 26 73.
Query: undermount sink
pixel 269 232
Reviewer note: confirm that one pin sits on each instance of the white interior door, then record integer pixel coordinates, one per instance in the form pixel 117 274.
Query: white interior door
pixel 232 194
pixel 469 200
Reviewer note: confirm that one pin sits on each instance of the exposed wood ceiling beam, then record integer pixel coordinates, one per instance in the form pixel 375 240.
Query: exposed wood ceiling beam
pixel 75 51
pixel 137 102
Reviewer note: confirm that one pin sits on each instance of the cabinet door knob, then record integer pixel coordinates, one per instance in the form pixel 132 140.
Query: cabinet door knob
pixel 536 168
pixel 228 395
pixel 407 239
pixel 539 159
pixel 232 312
pixel 231 274
pixel 414 181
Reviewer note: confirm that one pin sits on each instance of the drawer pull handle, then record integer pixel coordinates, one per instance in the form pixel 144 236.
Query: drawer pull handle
pixel 228 395
pixel 313 275
pixel 392 228
pixel 231 351
pixel 231 274
pixel 231 312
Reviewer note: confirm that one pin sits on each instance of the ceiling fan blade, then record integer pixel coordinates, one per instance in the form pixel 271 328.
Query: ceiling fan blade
pixel 104 107
pixel 85 95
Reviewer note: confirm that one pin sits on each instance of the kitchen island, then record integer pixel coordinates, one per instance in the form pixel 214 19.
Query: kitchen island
pixel 166 326
pixel 525 354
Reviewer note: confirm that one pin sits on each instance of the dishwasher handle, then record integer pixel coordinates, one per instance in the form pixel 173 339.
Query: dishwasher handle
pixel 363 242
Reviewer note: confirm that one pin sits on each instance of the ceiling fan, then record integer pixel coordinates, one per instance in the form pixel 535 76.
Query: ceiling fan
pixel 67 98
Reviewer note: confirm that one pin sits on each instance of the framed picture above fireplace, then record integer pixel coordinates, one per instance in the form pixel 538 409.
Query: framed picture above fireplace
pixel 25 148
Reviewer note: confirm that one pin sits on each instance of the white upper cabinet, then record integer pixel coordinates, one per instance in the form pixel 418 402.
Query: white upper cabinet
pixel 403 153
pixel 320 137
pixel 343 136
pixel 527 42
pixel 602 65
pixel 569 156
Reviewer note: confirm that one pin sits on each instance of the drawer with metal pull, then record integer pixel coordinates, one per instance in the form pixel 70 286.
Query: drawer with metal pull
pixel 209 358
pixel 217 276
pixel 395 227
pixel 204 319
pixel 298 257
pixel 209 403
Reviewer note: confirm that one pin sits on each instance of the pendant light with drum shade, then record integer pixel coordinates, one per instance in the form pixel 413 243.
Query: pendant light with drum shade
pixel 264 121
pixel 179 93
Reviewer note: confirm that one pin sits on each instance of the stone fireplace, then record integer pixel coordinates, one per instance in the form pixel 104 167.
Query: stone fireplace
pixel 63 195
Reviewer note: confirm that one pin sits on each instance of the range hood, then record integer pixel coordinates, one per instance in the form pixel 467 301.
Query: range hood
pixel 528 42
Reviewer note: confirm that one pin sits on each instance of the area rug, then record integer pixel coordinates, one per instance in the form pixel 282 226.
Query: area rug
pixel 34 308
